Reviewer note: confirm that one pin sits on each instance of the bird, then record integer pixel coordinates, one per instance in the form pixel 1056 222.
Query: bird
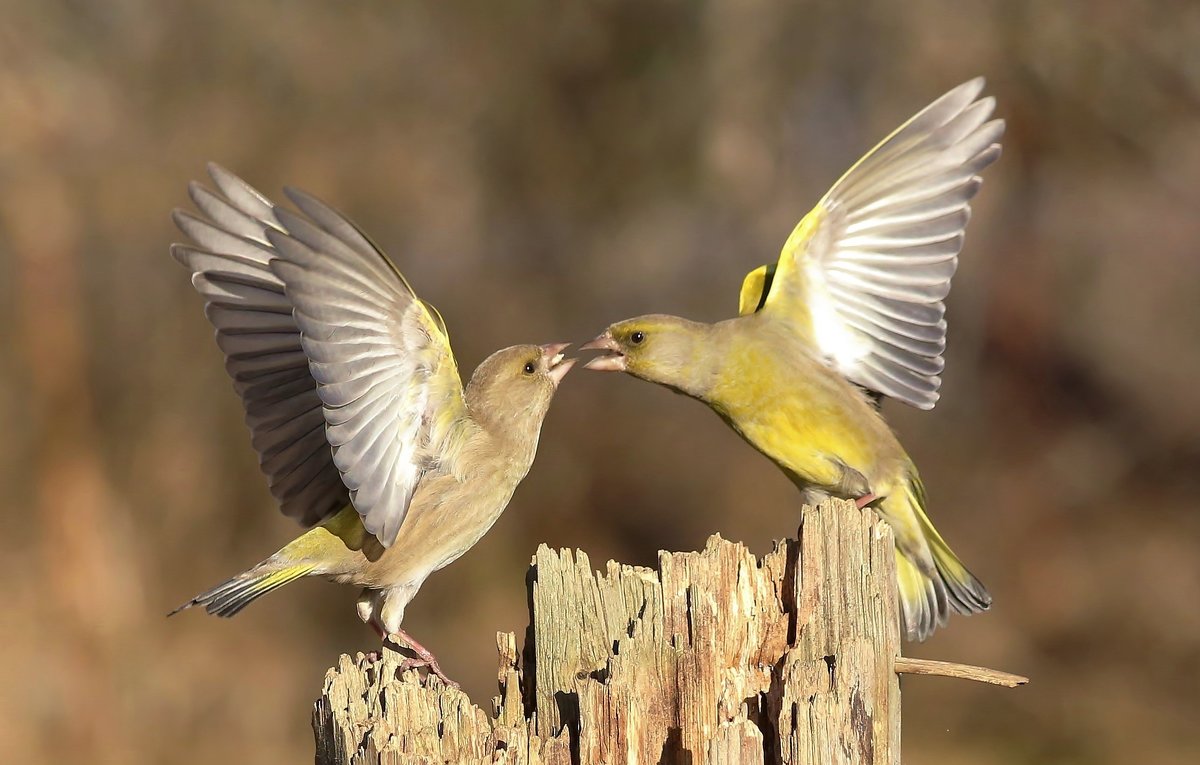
pixel 852 311
pixel 354 403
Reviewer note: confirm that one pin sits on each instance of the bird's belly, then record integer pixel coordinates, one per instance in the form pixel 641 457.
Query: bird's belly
pixel 434 538
pixel 803 452
pixel 816 438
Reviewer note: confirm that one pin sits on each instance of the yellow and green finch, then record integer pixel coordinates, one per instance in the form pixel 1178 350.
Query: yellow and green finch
pixel 852 310
pixel 354 402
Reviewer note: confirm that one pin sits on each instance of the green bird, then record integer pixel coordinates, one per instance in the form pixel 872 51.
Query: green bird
pixel 852 310
pixel 354 403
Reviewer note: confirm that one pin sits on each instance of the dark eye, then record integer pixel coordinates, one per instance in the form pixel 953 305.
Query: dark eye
pixel 530 368
pixel 637 337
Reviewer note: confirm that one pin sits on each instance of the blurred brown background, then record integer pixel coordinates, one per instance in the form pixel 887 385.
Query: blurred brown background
pixel 538 169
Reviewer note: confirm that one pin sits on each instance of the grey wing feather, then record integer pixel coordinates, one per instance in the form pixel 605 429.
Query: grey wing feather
pixel 247 305
pixel 385 373
pixel 346 377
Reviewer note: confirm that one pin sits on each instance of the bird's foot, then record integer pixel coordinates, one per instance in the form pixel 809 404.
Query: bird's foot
pixel 865 500
pixel 431 666
pixel 424 657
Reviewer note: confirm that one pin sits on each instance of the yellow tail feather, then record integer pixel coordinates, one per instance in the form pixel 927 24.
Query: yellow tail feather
pixel 231 596
pixel 320 550
pixel 932 580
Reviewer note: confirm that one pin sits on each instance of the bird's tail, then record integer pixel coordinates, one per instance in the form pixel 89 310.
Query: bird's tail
pixel 325 549
pixel 232 595
pixel 933 581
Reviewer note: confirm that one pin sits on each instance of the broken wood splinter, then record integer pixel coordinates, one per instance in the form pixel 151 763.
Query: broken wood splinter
pixel 907 665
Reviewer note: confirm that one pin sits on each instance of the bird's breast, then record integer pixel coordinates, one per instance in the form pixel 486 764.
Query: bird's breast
pixel 445 520
pixel 796 411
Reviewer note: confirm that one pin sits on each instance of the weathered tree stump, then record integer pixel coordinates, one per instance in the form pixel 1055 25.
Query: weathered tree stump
pixel 716 657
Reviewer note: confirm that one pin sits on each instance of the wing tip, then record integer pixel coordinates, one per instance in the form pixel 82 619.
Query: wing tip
pixel 289 250
pixel 957 99
pixel 233 187
pixel 182 254
pixel 986 106
pixel 988 156
pixel 380 529
pixel 197 189
pixel 224 177
pixel 300 197
pixel 216 171
pixel 180 215
pixel 974 86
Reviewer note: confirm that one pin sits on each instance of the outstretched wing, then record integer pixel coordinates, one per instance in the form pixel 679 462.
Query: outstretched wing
pixel 347 378
pixel 865 273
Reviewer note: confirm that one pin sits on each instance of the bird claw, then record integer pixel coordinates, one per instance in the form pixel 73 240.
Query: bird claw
pixel 431 666
pixel 424 658
pixel 435 669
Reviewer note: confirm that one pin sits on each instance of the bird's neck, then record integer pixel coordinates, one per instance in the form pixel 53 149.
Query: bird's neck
pixel 727 347
pixel 694 363
pixel 513 431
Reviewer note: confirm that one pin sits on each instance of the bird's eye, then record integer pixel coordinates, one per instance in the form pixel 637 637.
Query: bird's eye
pixel 637 337
pixel 530 368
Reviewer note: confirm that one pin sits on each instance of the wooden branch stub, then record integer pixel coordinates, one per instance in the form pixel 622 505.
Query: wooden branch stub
pixel 906 665
pixel 714 657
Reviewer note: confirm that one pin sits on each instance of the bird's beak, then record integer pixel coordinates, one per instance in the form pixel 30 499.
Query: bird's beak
pixel 556 364
pixel 613 361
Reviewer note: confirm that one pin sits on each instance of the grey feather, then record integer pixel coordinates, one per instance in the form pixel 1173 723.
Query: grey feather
pixel 240 194
pixel 338 364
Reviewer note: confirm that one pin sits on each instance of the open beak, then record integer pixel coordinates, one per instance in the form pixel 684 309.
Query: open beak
pixel 613 361
pixel 556 364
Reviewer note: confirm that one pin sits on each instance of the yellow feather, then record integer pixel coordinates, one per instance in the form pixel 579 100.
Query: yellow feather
pixel 789 278
pixel 754 289
pixel 804 424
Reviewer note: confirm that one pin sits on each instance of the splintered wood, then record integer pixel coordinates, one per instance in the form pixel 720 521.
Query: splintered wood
pixel 715 657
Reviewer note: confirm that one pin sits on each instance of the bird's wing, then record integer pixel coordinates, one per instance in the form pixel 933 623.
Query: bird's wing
pixel 347 378
pixel 864 274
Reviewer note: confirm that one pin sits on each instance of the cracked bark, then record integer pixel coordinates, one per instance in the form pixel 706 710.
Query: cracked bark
pixel 714 657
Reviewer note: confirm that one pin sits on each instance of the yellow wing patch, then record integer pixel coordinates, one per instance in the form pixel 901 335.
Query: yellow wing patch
pixel 758 288
pixel 755 287
pixel 791 259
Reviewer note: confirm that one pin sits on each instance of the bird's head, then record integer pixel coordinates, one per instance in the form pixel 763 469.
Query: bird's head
pixel 661 349
pixel 514 386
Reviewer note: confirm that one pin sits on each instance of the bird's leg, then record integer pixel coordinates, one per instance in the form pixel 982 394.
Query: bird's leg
pixel 379 630
pixel 424 657
pixel 865 500
pixel 373 656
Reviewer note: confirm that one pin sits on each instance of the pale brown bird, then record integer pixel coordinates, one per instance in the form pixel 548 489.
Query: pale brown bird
pixel 354 402
pixel 853 309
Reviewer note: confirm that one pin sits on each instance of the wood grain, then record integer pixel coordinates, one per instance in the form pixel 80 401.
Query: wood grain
pixel 713 657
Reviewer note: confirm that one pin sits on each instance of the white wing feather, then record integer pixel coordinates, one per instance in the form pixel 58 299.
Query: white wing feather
pixel 874 260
